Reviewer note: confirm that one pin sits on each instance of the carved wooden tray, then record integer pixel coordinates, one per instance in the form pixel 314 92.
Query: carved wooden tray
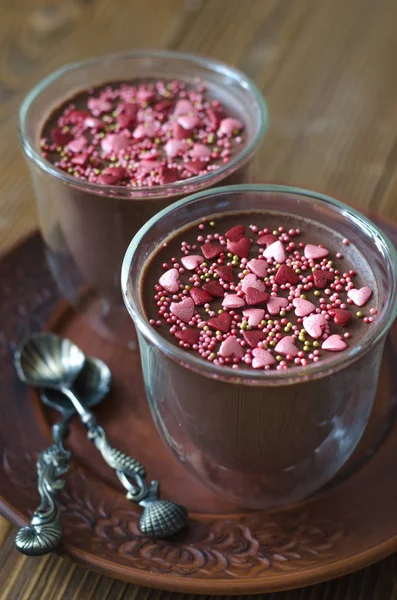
pixel 348 525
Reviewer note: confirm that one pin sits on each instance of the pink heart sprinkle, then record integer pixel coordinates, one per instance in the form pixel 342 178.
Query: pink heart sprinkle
pixel 275 304
pixel 254 316
pixel 183 310
pixel 258 267
pixel 231 347
pixel 183 107
pixel 361 296
pixel 200 151
pixel 188 122
pixel 303 307
pixel 230 126
pixel 99 105
pixel 145 166
pixel 314 325
pixel 286 346
pixel 114 142
pixel 145 95
pixel 94 122
pixel 170 280
pixel 262 358
pixel 78 144
pixel 315 252
pixel 175 147
pixel 334 343
pixel 192 261
pixel 232 301
pixel 147 130
pixel 276 251
pixel 252 281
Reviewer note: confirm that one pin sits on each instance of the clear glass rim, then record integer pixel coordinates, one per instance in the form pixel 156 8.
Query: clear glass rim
pixel 199 181
pixel 294 374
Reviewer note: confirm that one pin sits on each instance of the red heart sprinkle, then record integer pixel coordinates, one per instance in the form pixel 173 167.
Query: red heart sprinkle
pixel 225 272
pixel 235 233
pixel 195 166
pixel 126 121
pixel 266 240
pixel 321 277
pixel 111 175
pixel 240 248
pixel 211 250
pixel 341 316
pixel 253 337
pixel 286 275
pixel 214 288
pixel 61 138
pixel 179 133
pixel 215 116
pixel 169 175
pixel 126 108
pixel 188 336
pixel 253 296
pixel 222 322
pixel 163 106
pixel 199 296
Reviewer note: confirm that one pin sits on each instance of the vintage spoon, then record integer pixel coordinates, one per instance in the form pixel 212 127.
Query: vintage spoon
pixel 45 531
pixel 47 361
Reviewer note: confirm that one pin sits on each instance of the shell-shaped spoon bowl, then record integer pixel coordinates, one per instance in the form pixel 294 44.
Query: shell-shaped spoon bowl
pixel 49 361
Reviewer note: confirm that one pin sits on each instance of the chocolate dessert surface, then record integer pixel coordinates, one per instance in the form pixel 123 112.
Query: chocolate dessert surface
pixel 142 133
pixel 265 290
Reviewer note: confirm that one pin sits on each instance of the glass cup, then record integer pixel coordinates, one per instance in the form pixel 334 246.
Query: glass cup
pixel 87 226
pixel 262 439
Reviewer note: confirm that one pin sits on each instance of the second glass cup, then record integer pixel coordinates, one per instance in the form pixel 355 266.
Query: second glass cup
pixel 87 226
pixel 262 438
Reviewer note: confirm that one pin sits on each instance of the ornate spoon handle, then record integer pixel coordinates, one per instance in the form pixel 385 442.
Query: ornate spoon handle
pixel 44 532
pixel 160 518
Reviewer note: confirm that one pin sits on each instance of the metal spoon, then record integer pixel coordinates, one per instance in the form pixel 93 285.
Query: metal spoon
pixel 45 531
pixel 48 361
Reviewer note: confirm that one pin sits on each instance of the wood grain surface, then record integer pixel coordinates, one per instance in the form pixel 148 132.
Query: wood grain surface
pixel 328 71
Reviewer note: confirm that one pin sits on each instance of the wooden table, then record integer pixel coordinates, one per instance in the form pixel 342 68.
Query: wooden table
pixel 328 71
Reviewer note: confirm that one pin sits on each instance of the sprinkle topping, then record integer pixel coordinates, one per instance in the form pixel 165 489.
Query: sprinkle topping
pixel 153 132
pixel 258 298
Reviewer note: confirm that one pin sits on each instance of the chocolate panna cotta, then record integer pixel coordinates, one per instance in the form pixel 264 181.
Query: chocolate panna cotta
pixel 142 134
pixel 261 290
